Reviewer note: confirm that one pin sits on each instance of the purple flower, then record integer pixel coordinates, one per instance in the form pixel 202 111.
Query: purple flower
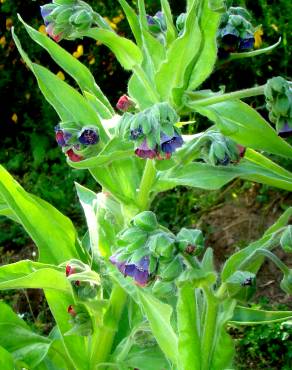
pixel 88 137
pixel 170 144
pixel 46 10
pixel 143 151
pixel 285 131
pixel 138 271
pixel 230 42
pixel 246 43
pixel 44 13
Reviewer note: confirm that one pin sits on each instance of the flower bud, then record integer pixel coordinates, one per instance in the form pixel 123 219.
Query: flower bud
pixel 190 241
pixel 286 239
pixel 170 271
pixel 125 103
pixel 163 289
pixel 180 22
pixel 73 156
pixel 146 221
pixel 161 245
pixel 132 238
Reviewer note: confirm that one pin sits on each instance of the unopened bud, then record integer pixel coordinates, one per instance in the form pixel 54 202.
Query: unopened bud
pixel 146 221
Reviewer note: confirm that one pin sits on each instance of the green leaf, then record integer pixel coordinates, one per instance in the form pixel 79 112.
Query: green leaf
pixel 171 32
pixel 34 275
pixel 104 220
pixel 250 316
pixel 188 322
pixel 223 345
pixel 133 21
pixel 53 233
pixel 68 103
pixel 169 76
pixel 6 360
pixel 233 262
pixel 159 316
pixel 19 340
pixel 146 359
pixel 209 22
pixel 127 53
pixel 245 126
pixel 71 65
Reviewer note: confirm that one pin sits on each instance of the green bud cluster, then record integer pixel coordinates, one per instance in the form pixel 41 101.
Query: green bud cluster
pixel 146 238
pixel 80 321
pixel 68 18
pixel 278 93
pixel 220 150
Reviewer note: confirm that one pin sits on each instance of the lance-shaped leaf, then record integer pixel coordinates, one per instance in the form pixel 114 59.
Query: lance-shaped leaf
pixel 71 65
pixel 159 316
pixel 35 275
pixel 53 233
pixel 68 103
pixel 188 322
pixel 133 20
pixel 169 76
pixel 245 126
pixel 16 338
pixel 127 53
pixel 250 316
pixel 205 176
pixel 267 241
pixel 209 21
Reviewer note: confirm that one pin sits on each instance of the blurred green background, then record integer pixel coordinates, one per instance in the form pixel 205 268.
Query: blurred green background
pixel 29 151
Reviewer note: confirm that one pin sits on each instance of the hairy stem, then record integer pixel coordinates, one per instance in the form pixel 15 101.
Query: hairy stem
pixel 241 94
pixel 149 174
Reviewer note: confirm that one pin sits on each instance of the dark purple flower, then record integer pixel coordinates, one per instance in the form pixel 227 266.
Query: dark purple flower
pixel 230 42
pixel 170 144
pixel 138 271
pixel 143 151
pixel 246 43
pixel 88 137
pixel 285 131
pixel 136 133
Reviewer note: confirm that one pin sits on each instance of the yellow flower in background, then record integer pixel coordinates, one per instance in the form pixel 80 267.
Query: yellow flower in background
pixel 14 118
pixel 42 29
pixel 61 75
pixel 118 19
pixel 79 52
pixel 258 37
pixel 2 1
pixel 9 24
pixel 275 27
pixel 3 41
pixel 112 24
pixel 91 60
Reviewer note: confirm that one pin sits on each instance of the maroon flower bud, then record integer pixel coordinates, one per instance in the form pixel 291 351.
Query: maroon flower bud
pixel 241 150
pixel 143 151
pixel 62 136
pixel 71 311
pixel 73 156
pixel 124 103
pixel 69 270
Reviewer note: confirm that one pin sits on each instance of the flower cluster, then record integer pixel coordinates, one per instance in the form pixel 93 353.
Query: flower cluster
pixel 154 132
pixel 236 32
pixel 151 255
pixel 65 19
pixel 77 143
pixel 157 26
pixel 278 93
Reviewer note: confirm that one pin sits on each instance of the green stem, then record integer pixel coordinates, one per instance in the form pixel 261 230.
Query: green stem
pixel 209 330
pixel 149 174
pixel 190 261
pixel 266 253
pixel 241 94
pixel 103 340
